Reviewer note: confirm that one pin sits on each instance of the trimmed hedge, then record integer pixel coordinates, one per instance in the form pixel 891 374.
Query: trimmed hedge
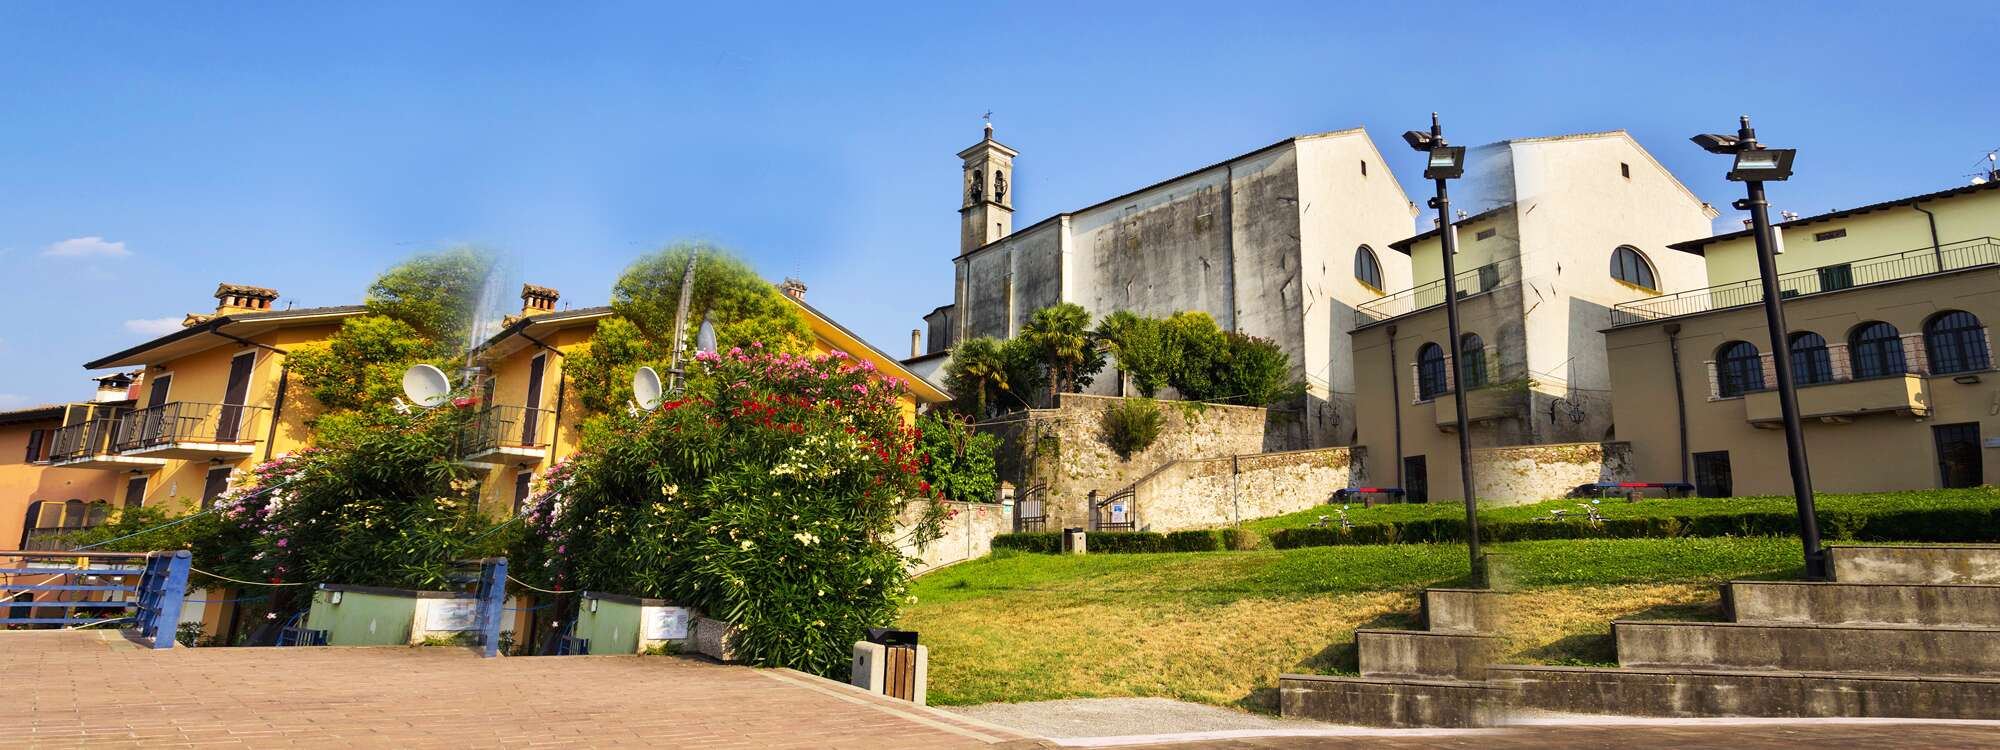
pixel 1050 542
pixel 1908 525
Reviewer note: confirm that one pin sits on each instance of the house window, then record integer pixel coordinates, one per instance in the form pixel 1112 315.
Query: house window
pixel 1625 170
pixel 1630 266
pixel 1711 474
pixel 1431 380
pixel 1738 369
pixel 1956 342
pixel 1472 355
pixel 1877 350
pixel 1367 268
pixel 1364 167
pixel 523 488
pixel 135 491
pixel 216 483
pixel 35 445
pixel 1810 362
pixel 1485 234
pixel 1831 234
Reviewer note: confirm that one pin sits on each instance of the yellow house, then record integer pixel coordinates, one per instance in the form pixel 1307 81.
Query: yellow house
pixel 213 399
pixel 531 417
pixel 37 501
pixel 1890 307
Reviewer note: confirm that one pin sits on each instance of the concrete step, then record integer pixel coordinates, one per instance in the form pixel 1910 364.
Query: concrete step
pixel 1390 702
pixel 1423 654
pixel 1710 692
pixel 1462 610
pixel 1831 603
pixel 1957 563
pixel 1918 649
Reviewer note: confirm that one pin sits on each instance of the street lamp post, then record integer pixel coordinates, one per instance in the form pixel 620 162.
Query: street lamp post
pixel 1755 165
pixel 1447 162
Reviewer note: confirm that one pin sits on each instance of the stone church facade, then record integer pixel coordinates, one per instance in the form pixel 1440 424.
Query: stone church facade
pixel 1282 243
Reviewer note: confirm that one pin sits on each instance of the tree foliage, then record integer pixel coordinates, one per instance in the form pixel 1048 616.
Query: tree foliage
pixel 768 496
pixel 1060 338
pixel 1131 425
pixel 987 375
pixel 437 294
pixel 1141 347
pixel 601 372
pixel 361 366
pixel 957 461
pixel 743 307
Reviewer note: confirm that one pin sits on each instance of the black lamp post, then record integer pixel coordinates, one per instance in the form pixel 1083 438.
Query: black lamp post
pixel 1447 162
pixel 1755 165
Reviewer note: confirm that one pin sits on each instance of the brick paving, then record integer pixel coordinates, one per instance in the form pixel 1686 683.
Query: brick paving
pixel 95 689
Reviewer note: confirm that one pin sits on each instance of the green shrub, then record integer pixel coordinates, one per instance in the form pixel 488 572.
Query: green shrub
pixel 1132 425
pixel 1045 542
pixel 1125 541
pixel 1197 540
pixel 1241 540
pixel 1912 524
pixel 957 461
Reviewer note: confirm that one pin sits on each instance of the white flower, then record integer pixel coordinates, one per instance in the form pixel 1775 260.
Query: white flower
pixel 806 539
pixel 747 544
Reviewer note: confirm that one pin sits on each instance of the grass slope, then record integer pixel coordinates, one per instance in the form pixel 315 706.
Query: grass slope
pixel 1218 627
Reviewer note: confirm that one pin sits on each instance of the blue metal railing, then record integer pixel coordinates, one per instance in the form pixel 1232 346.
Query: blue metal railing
pixel 162 589
pixel 144 589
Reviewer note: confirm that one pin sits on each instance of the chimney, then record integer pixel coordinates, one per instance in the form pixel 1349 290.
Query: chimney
pixel 793 288
pixel 116 386
pixel 536 300
pixel 238 298
pixel 916 342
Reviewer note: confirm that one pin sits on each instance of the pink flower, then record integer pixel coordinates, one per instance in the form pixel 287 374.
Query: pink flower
pixel 284 542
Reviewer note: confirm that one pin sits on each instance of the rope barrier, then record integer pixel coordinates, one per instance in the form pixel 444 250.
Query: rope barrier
pixel 239 580
pixel 531 587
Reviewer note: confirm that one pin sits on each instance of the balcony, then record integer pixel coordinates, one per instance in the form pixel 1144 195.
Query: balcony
pixel 1925 261
pixel 508 435
pixel 1477 281
pixel 1481 405
pixel 90 444
pixel 188 430
pixel 1841 401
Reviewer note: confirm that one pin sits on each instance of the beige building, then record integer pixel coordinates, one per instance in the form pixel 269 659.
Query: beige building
pixel 1562 229
pixel 1888 306
pixel 1281 242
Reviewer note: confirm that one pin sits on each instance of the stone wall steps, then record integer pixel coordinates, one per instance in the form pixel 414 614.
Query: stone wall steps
pixel 1391 702
pixel 1829 602
pixel 1423 654
pixel 1884 563
pixel 1921 649
pixel 1686 692
pixel 1462 610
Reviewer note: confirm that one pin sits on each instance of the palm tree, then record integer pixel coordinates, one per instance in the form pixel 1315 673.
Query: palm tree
pixel 977 368
pixel 1060 337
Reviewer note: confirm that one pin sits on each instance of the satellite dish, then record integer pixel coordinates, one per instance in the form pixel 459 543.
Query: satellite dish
pixel 705 340
pixel 426 386
pixel 646 388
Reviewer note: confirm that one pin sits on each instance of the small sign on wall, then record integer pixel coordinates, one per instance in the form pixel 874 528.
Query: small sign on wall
pixel 666 623
pixel 452 615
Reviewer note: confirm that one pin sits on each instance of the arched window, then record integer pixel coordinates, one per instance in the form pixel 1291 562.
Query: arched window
pixel 1630 266
pixel 1738 369
pixel 1430 371
pixel 98 514
pixel 1472 361
pixel 1810 363
pixel 73 514
pixel 1956 342
pixel 1877 350
pixel 1367 267
pixel 34 520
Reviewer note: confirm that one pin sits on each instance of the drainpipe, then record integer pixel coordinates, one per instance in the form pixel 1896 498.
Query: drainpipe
pixel 1937 248
pixel 1680 395
pixel 1396 405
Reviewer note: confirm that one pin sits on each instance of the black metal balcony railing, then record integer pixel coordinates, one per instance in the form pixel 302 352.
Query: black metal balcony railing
pixel 188 422
pixel 1479 280
pixel 1883 268
pixel 51 538
pixel 500 426
pixel 91 437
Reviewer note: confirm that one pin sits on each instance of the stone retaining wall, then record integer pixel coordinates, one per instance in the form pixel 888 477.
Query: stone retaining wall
pixel 1225 491
pixel 968 534
pixel 1517 475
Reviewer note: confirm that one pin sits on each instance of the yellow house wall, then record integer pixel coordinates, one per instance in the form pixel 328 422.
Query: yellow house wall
pixel 510 387
pixel 1385 393
pixel 1869 235
pixel 202 377
pixel 1872 452
pixel 22 483
pixel 1427 256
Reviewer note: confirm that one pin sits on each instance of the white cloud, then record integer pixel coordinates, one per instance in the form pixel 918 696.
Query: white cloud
pixel 154 326
pixel 86 247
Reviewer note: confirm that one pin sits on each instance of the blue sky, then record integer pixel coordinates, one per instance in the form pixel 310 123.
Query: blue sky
pixel 149 153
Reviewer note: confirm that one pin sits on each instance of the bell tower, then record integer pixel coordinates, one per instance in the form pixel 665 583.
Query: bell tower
pixel 987 197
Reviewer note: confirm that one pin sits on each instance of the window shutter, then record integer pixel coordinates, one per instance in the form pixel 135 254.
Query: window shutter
pixel 1836 355
pixel 1714 381
pixel 1769 368
pixel 1915 358
pixel 1450 372
pixel 1416 384
pixel 34 446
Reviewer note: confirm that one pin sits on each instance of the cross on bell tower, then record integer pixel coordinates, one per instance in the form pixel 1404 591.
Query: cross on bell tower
pixel 987 208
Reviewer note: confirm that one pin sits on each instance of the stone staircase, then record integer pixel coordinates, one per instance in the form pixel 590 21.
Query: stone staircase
pixel 1433 677
pixel 1911 632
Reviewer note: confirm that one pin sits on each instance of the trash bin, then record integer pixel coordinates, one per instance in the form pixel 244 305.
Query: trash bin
pixel 890 662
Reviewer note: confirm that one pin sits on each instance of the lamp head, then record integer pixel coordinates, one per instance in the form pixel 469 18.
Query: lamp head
pixel 1418 140
pixel 1445 163
pixel 1762 165
pixel 1716 144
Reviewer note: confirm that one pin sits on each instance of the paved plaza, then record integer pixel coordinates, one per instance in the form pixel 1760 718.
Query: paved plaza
pixel 96 689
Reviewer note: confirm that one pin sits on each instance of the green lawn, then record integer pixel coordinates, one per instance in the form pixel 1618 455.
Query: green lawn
pixel 1973 499
pixel 1218 627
